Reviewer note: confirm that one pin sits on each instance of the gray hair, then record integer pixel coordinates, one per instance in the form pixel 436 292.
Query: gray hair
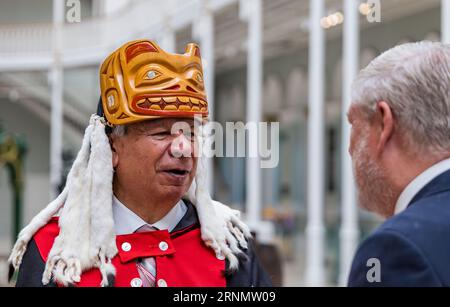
pixel 414 79
pixel 119 130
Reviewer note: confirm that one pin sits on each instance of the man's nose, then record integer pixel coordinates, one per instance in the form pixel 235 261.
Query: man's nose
pixel 180 147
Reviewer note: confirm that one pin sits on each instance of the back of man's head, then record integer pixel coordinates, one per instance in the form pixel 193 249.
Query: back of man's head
pixel 414 79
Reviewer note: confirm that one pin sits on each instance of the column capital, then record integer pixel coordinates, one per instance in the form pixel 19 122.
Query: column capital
pixel 202 25
pixel 246 7
pixel 445 22
pixel 315 228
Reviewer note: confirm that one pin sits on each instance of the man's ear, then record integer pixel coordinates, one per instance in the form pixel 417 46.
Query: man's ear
pixel 115 155
pixel 386 117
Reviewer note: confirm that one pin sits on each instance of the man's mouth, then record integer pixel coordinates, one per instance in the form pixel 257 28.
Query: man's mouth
pixel 177 172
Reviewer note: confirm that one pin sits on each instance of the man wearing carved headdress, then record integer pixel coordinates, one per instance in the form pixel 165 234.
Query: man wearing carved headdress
pixel 135 210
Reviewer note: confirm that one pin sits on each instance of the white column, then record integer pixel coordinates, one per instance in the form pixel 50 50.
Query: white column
pixel 349 215
pixel 98 8
pixel 203 31
pixel 315 274
pixel 445 11
pixel 167 40
pixel 111 7
pixel 251 11
pixel 56 80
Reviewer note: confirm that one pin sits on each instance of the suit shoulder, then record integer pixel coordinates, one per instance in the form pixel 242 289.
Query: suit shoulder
pixel 386 235
pixel 399 260
pixel 45 237
pixel 33 261
pixel 423 222
pixel 251 272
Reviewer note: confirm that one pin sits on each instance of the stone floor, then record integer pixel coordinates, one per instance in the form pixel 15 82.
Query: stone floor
pixel 292 274
pixel 3 271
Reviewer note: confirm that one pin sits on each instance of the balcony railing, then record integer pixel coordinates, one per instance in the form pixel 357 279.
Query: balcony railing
pixel 88 41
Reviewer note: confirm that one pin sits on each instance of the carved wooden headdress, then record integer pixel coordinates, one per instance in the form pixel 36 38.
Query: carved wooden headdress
pixel 140 81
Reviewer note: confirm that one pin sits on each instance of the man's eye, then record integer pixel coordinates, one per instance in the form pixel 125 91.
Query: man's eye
pixel 161 135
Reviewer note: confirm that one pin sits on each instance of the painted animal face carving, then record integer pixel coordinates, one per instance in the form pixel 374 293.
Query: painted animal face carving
pixel 140 81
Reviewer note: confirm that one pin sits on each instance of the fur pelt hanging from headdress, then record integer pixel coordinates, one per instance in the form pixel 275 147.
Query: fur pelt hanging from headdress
pixel 87 237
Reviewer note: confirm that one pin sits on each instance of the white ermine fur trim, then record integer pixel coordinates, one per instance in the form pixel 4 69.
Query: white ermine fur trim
pixel 40 220
pixel 103 238
pixel 221 227
pixel 43 217
pixel 86 237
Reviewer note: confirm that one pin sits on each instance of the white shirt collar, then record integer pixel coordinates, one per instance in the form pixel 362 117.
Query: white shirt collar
pixel 126 221
pixel 419 183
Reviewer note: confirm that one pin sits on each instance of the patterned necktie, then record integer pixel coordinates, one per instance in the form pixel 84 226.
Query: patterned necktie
pixel 147 266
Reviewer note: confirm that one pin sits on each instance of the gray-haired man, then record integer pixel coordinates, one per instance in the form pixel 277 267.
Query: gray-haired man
pixel 400 146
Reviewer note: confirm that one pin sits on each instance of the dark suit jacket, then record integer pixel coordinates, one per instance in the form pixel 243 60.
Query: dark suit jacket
pixel 413 247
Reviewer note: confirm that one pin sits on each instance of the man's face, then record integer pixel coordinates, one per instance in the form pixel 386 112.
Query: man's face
pixel 374 191
pixel 155 160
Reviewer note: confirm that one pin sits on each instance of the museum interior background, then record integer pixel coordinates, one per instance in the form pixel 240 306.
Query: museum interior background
pixel 293 60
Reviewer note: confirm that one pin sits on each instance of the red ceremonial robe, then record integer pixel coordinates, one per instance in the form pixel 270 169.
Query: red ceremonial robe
pixel 176 266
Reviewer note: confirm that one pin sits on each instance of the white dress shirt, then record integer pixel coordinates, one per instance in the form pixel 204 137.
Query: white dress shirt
pixel 419 183
pixel 127 222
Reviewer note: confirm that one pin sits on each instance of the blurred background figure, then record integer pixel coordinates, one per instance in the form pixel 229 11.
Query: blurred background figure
pixel 286 61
